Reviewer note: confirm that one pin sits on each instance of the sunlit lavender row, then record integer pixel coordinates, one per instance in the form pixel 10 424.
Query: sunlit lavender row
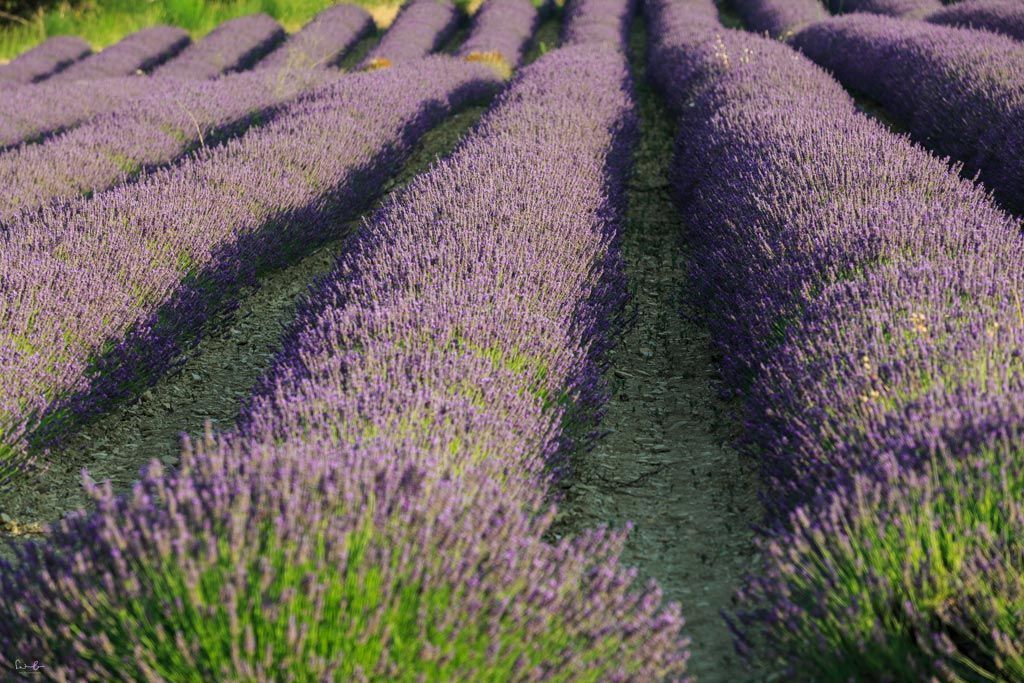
pixel 402 440
pixel 880 360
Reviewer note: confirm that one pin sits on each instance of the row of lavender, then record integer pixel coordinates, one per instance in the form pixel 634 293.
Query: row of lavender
pixel 173 117
pixel 97 294
pixel 867 303
pixel 168 246
pixel 783 18
pixel 381 514
pixel 959 91
pixel 34 111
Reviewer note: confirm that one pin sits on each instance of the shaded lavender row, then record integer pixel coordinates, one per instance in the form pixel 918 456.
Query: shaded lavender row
pixel 421 27
pixel 323 41
pixel 779 18
pixel 501 29
pixel 866 301
pixel 391 460
pixel 234 45
pixel 892 8
pixel 959 91
pixel 172 119
pixel 34 111
pixel 98 295
pixel 43 60
pixel 598 22
pixel 140 51
pixel 999 16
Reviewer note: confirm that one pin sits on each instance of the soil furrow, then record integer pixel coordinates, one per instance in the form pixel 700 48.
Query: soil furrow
pixel 666 462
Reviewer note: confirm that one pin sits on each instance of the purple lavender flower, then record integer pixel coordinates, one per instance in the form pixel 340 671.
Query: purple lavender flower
pixel 780 18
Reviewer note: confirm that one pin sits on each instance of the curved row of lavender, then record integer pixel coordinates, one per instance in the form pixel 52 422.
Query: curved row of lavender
pixel 140 51
pixel 893 8
pixel 235 45
pixel 959 91
pixel 323 41
pixel 422 27
pixel 998 16
pixel 382 516
pixel 43 61
pixel 502 30
pixel 174 118
pixel 779 18
pixel 98 295
pixel 866 301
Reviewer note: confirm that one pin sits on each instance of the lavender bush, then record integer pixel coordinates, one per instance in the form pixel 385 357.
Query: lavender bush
pixel 44 60
pixel 172 120
pixel 501 32
pixel 780 18
pixel 323 41
pixel 380 515
pixel 959 91
pixel 235 45
pixel 865 300
pixel 100 294
pixel 892 8
pixel 598 22
pixel 421 27
pixel 140 51
pixel 999 16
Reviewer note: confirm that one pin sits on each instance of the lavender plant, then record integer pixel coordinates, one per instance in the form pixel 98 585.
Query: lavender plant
pixel 101 294
pixel 140 51
pixel 380 515
pixel 501 32
pixel 959 91
pixel 864 299
pixel 892 8
pixel 998 16
pixel 175 118
pixel 235 45
pixel 598 22
pixel 780 18
pixel 422 27
pixel 323 41
pixel 44 60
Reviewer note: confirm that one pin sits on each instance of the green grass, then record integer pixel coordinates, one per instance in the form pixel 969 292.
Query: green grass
pixel 102 22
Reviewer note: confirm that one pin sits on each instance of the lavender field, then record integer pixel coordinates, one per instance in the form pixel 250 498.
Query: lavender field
pixel 612 340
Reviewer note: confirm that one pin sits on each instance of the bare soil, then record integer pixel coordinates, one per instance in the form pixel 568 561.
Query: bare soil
pixel 667 462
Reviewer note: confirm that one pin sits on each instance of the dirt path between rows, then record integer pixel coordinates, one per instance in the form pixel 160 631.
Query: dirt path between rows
pixel 210 385
pixel 667 463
